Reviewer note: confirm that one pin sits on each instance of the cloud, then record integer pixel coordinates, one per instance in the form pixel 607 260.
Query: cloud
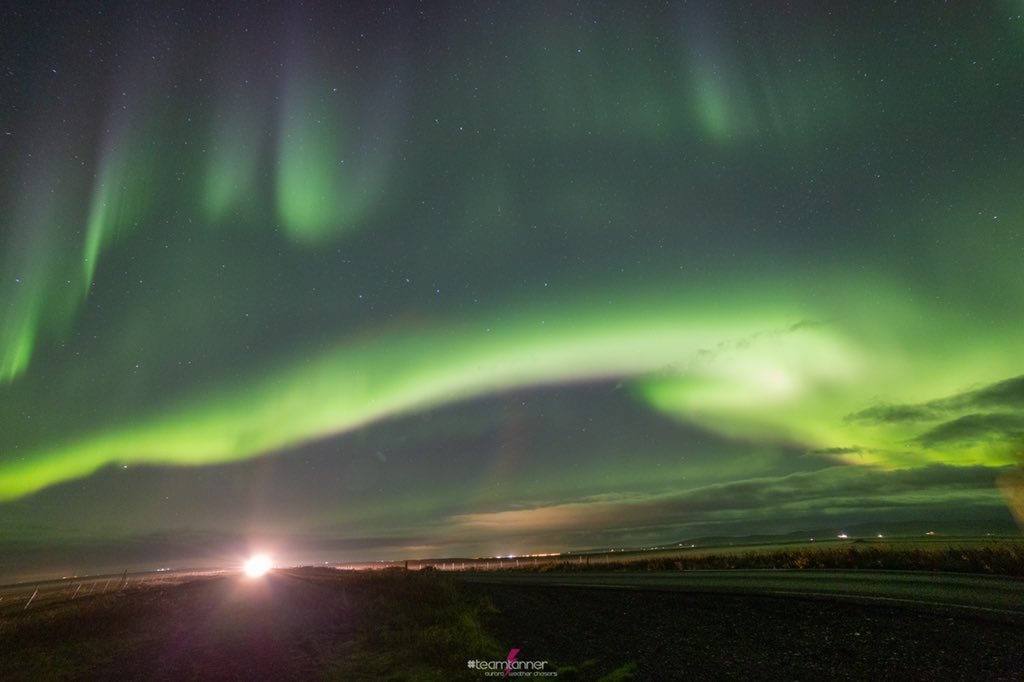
pixel 974 428
pixel 890 414
pixel 842 495
pixel 805 497
pixel 987 419
pixel 1006 395
pixel 852 450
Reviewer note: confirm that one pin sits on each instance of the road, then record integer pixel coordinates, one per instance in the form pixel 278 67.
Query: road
pixel 35 595
pixel 998 595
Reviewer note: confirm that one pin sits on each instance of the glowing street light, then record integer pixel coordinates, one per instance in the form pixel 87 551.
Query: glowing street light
pixel 257 565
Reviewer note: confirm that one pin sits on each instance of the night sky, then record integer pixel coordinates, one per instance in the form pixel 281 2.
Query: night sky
pixel 433 279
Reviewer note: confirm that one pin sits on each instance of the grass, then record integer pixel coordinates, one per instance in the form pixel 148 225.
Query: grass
pixel 419 627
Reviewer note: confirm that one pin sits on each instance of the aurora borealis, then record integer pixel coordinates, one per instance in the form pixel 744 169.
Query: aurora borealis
pixel 438 279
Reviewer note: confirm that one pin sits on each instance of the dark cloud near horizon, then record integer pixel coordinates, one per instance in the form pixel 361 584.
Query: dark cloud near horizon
pixel 838 495
pixel 974 428
pixel 1007 394
pixel 889 414
pixel 844 482
pixel 851 450
pixel 841 494
pixel 991 414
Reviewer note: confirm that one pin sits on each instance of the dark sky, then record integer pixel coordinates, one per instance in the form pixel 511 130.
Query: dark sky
pixel 429 279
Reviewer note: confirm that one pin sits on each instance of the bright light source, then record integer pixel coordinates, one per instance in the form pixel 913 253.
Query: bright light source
pixel 257 565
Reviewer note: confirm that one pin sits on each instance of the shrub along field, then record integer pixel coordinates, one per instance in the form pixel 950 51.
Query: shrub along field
pixel 1005 558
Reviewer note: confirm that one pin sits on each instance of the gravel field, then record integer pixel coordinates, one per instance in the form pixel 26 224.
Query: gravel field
pixel 675 636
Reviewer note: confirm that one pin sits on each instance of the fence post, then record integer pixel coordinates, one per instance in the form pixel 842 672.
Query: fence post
pixel 31 598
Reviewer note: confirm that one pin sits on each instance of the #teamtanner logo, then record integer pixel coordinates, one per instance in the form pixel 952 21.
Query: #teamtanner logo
pixel 511 667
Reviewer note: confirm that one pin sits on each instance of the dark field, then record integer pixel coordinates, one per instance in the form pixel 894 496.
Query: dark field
pixel 678 636
pixel 424 625
pixel 304 624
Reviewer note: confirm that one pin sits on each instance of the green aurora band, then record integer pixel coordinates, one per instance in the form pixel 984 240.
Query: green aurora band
pixel 749 373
